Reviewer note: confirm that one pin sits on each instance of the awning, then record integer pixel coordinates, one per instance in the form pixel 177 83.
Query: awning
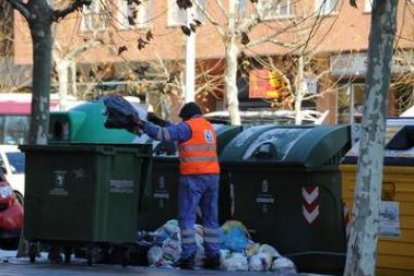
pixel 20 108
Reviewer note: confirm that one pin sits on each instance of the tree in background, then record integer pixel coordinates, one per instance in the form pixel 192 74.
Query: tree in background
pixel 237 32
pixel 40 16
pixel 12 77
pixel 65 66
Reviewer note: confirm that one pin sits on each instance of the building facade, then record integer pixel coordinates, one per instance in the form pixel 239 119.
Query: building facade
pixel 142 44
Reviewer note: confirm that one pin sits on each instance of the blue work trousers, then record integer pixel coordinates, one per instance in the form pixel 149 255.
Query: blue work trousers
pixel 194 191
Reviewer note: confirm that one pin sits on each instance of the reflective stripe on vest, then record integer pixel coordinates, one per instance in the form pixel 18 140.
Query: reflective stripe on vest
pixel 198 155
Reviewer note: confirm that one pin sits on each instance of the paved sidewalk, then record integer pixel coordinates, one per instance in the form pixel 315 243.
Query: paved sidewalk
pixel 11 266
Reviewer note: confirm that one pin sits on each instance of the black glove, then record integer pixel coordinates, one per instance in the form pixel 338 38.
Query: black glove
pixel 153 118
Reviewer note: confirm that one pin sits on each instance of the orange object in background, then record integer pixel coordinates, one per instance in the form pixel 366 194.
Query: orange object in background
pixel 266 84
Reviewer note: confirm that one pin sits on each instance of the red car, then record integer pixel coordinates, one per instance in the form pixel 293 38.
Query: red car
pixel 11 216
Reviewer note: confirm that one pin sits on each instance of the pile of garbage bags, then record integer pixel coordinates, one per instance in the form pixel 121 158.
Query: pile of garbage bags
pixel 238 252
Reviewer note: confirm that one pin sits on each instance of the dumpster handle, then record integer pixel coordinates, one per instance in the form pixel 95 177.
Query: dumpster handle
pixel 108 150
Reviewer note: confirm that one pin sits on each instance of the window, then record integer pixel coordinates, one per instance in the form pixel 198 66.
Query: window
pixel 368 5
pixel 14 129
pixel 131 15
pixel 243 8
pixel 178 17
pixel 350 103
pixel 94 17
pixel 275 10
pixel 325 7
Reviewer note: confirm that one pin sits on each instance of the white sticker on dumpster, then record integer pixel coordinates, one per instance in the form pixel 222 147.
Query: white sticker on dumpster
pixel 390 219
pixel 264 197
pixel 161 193
pixel 121 186
pixel 59 189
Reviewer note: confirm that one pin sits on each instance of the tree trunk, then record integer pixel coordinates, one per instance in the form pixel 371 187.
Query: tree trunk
pixel 299 91
pixel 74 91
pixel 62 67
pixel 362 246
pixel 41 33
pixel 232 52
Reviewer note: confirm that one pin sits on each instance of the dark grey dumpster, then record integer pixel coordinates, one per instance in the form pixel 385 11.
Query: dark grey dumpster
pixel 286 188
pixel 161 199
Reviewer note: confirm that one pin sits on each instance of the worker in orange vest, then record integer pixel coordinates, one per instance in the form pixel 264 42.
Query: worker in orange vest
pixel 199 180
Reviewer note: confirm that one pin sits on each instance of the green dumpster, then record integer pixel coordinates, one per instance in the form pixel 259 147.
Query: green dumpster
pixel 163 197
pixel 286 188
pixel 84 124
pixel 84 193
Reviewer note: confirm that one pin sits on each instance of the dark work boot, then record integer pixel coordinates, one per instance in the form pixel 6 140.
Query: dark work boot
pixel 187 263
pixel 212 262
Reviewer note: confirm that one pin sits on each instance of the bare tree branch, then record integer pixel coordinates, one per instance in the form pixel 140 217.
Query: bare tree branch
pixel 269 38
pixel 21 7
pixel 211 19
pixel 85 46
pixel 61 13
pixel 222 9
pixel 250 22
pixel 254 17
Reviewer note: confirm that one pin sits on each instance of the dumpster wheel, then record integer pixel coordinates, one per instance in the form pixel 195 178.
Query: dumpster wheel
pixel 32 252
pixel 67 252
pixel 89 255
pixel 125 256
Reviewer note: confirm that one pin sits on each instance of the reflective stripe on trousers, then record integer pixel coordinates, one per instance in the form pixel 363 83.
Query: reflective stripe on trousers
pixel 194 191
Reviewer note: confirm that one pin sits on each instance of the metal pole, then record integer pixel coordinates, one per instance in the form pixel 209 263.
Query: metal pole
pixel 190 61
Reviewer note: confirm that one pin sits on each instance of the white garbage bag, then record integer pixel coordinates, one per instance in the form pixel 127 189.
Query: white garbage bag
pixel 224 254
pixel 235 262
pixel 270 250
pixel 171 250
pixel 199 228
pixel 282 265
pixel 154 255
pixel 200 256
pixel 260 262
pixel 171 227
pixel 199 237
pixel 252 248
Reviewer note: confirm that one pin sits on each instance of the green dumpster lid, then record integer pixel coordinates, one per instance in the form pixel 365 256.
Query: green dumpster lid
pixel 85 123
pixel 235 149
pixel 225 133
pixel 309 146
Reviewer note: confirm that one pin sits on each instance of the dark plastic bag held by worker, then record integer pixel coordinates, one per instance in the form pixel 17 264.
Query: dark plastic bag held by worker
pixel 120 113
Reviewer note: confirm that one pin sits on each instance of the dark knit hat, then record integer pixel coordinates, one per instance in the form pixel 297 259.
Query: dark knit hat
pixel 189 110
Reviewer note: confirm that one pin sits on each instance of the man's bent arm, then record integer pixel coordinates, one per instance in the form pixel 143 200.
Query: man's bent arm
pixel 180 132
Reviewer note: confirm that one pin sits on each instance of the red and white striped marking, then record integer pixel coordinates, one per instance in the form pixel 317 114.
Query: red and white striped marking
pixel 310 207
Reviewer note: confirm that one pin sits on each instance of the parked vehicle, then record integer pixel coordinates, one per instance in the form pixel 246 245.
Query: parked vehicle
pixel 15 113
pixel 11 216
pixel 278 117
pixel 12 163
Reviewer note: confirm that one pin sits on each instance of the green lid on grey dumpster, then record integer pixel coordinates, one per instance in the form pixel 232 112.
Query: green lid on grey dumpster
pixel 85 124
pixel 236 147
pixel 303 145
pixel 225 133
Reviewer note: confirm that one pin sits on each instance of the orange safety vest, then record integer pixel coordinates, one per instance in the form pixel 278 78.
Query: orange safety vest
pixel 198 155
